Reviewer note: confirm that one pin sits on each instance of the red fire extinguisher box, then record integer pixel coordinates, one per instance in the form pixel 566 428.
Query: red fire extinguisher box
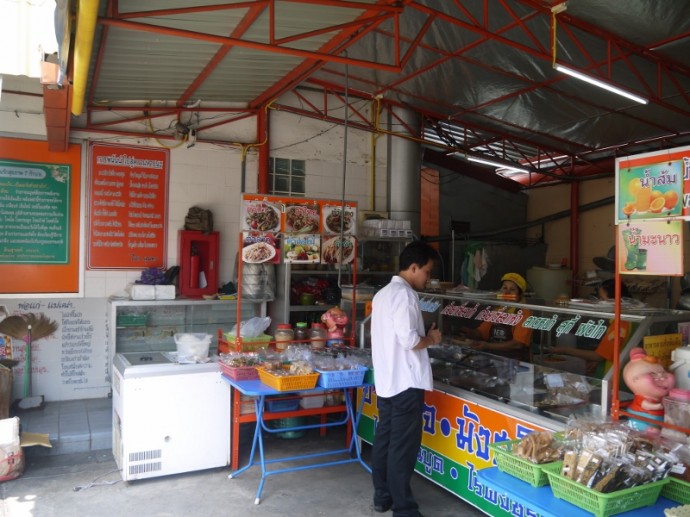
pixel 198 259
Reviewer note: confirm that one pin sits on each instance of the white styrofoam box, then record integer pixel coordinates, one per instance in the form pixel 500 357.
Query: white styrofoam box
pixel 143 292
pixel 407 224
pixel 9 431
pixel 312 401
pixel 165 292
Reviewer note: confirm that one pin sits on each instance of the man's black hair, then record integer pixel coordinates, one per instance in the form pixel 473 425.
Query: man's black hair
pixel 417 252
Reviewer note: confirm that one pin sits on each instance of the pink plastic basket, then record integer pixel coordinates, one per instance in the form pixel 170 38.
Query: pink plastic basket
pixel 239 373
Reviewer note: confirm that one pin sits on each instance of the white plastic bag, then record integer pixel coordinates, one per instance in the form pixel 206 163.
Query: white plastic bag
pixel 252 327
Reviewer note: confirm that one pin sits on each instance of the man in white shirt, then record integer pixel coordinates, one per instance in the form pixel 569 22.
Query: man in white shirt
pixel 402 373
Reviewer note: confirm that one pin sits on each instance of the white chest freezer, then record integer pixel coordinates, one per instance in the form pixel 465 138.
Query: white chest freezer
pixel 168 418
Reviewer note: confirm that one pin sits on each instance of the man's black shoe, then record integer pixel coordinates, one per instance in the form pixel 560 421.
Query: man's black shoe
pixel 382 508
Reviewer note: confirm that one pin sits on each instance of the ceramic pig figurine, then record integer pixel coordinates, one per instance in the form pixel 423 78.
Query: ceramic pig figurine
pixel 650 383
pixel 335 320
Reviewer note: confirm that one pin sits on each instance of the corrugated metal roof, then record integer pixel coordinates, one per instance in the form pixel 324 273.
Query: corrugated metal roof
pixel 479 72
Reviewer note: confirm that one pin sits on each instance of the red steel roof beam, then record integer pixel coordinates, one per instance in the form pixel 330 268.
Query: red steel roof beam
pixel 193 10
pixel 307 68
pixel 254 45
pixel 242 27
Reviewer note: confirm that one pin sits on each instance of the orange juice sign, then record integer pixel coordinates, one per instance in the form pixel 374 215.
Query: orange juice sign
pixel 455 445
pixel 653 185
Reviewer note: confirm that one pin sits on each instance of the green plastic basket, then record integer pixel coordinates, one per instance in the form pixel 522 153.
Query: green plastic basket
pixel 677 490
pixel 518 467
pixel 603 505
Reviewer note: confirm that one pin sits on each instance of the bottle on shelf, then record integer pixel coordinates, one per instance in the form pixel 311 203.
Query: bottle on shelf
pixel 301 333
pixel 284 336
pixel 317 336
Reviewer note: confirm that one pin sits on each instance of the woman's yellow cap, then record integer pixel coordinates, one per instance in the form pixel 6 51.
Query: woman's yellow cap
pixel 518 279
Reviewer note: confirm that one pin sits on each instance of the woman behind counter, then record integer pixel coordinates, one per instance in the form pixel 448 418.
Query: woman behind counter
pixel 598 361
pixel 500 339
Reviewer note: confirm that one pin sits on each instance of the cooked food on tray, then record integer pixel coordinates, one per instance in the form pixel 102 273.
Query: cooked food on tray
pixel 334 218
pixel 301 219
pixel 330 252
pixel 258 252
pixel 262 217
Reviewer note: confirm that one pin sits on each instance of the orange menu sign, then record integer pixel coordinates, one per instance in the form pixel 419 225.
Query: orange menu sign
pixel 128 191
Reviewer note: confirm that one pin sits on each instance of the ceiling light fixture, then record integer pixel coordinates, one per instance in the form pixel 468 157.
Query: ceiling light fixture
pixel 557 9
pixel 496 163
pixel 601 84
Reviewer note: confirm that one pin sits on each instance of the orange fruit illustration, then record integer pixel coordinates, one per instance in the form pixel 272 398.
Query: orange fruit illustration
pixel 656 194
pixel 657 205
pixel 634 186
pixel 628 209
pixel 671 199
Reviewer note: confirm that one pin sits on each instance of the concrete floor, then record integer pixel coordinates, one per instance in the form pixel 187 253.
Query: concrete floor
pixel 79 477
pixel 89 484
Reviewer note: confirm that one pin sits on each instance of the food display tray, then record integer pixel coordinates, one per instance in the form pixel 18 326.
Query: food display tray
pixel 228 343
pixel 288 382
pixel 677 490
pixel 239 373
pixel 523 469
pixel 603 505
pixel 342 378
pixel 282 404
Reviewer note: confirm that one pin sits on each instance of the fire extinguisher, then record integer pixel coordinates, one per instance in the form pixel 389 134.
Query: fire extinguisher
pixel 194 269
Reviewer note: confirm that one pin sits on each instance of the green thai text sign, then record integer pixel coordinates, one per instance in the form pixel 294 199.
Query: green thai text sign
pixel 34 213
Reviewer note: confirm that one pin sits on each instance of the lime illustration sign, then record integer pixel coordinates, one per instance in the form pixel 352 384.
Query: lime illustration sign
pixel 34 212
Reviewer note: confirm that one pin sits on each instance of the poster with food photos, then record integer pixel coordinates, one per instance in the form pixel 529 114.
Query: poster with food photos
pixel 264 213
pixel 261 215
pixel 337 218
pixel 302 218
pixel 337 250
pixel 260 248
pixel 302 248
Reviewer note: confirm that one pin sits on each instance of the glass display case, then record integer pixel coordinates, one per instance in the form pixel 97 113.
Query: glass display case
pixel 581 324
pixel 540 390
pixel 145 326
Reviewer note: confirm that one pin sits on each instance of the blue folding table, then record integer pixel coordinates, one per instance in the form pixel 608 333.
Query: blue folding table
pixel 256 388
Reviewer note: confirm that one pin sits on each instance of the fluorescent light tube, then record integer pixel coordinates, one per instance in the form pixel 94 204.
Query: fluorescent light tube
pixel 502 165
pixel 601 84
